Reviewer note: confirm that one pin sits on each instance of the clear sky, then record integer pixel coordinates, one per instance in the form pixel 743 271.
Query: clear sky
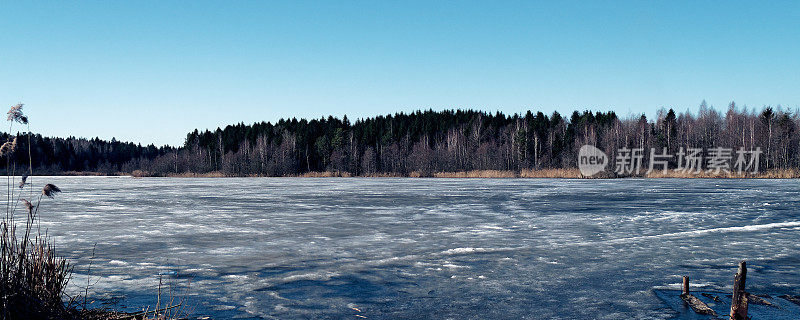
pixel 151 71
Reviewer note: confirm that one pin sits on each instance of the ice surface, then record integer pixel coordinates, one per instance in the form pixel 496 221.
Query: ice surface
pixel 424 248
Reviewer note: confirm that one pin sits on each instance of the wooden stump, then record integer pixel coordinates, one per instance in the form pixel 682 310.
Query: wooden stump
pixel 693 302
pixel 685 284
pixel 739 302
pixel 698 306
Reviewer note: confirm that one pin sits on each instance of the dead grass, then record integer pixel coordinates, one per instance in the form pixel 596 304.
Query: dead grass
pixel 477 174
pixel 770 174
pixel 212 174
pixel 326 174
pixel 550 173
pixel 82 173
pixel 779 174
pixel 382 175
pixel 419 174
pixel 33 278
pixel 572 173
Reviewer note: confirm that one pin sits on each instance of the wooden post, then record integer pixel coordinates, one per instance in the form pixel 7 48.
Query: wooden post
pixel 685 284
pixel 696 305
pixel 743 272
pixel 739 302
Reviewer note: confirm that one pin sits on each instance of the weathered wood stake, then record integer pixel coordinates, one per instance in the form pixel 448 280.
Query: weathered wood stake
pixel 685 284
pixel 693 302
pixel 739 302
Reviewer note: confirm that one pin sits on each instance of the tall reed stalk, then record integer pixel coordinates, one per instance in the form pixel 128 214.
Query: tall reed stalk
pixel 33 278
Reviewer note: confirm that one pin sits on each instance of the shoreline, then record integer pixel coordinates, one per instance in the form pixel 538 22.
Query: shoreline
pixel 473 174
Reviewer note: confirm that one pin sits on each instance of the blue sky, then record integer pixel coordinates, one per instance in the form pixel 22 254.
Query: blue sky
pixel 152 71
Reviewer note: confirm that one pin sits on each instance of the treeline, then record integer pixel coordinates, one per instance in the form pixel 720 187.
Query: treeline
pixel 455 140
pixel 63 155
pixel 427 142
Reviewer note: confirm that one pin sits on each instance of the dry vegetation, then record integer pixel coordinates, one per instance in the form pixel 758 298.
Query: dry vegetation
pixel 212 174
pixel 33 277
pixel 551 173
pixel 572 173
pixel 770 174
pixel 325 174
pixel 477 174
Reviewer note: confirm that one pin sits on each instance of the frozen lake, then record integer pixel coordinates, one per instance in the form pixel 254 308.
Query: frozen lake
pixel 424 248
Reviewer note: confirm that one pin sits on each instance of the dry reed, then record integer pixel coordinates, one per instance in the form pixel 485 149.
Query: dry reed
pixel 50 190
pixel 33 278
pixel 477 174
pixel 550 173
pixel 212 174
pixel 769 174
pixel 8 147
pixel 325 174
pixel 570 173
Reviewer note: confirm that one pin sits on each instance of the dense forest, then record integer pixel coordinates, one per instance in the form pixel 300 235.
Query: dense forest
pixel 79 155
pixel 427 142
